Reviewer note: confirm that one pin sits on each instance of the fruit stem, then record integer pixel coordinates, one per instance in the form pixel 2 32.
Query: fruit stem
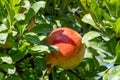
pixel 50 75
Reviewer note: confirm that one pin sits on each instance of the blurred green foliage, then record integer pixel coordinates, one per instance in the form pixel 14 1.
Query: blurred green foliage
pixel 25 24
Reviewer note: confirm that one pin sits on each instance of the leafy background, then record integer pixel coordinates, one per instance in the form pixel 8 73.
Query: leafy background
pixel 24 25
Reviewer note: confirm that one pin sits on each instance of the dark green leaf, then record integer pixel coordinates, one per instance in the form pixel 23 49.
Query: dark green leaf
pixel 32 38
pixel 12 77
pixel 20 53
pixel 10 69
pixel 42 28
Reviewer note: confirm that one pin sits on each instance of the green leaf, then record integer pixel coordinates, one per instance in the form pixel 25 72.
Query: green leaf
pixel 33 10
pixel 117 27
pixel 14 5
pixel 67 75
pixel 53 48
pixel 20 53
pixel 40 62
pixel 12 77
pixel 36 6
pixel 32 38
pixel 6 59
pixel 26 4
pixel 98 46
pixel 2 10
pixel 40 48
pixel 117 51
pixel 90 35
pixel 10 69
pixel 112 73
pixel 3 37
pixel 102 68
pixel 1 76
pixel 3 27
pixel 88 19
pixel 84 4
pixel 10 12
pixel 29 14
pixel 113 7
pixel 19 17
pixel 42 28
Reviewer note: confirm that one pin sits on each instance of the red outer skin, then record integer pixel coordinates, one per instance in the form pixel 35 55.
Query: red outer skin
pixel 71 49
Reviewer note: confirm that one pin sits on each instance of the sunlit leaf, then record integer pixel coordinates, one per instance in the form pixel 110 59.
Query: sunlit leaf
pixel 36 6
pixel 40 48
pixel 88 19
pixel 3 37
pixel 19 17
pixel 3 27
pixel 6 59
pixel 90 35
pixel 112 74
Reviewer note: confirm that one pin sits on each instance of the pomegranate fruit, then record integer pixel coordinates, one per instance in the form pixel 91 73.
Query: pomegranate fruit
pixel 71 49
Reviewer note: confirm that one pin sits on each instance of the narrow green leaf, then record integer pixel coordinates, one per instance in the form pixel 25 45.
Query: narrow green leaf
pixel 117 51
pixel 117 27
pixel 10 12
pixel 14 4
pixel 113 7
pixel 2 10
pixel 1 76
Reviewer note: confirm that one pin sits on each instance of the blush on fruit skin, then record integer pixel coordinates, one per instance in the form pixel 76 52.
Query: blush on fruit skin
pixel 71 49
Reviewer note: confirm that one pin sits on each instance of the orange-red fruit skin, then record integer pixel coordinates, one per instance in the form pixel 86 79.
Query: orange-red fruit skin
pixel 71 49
